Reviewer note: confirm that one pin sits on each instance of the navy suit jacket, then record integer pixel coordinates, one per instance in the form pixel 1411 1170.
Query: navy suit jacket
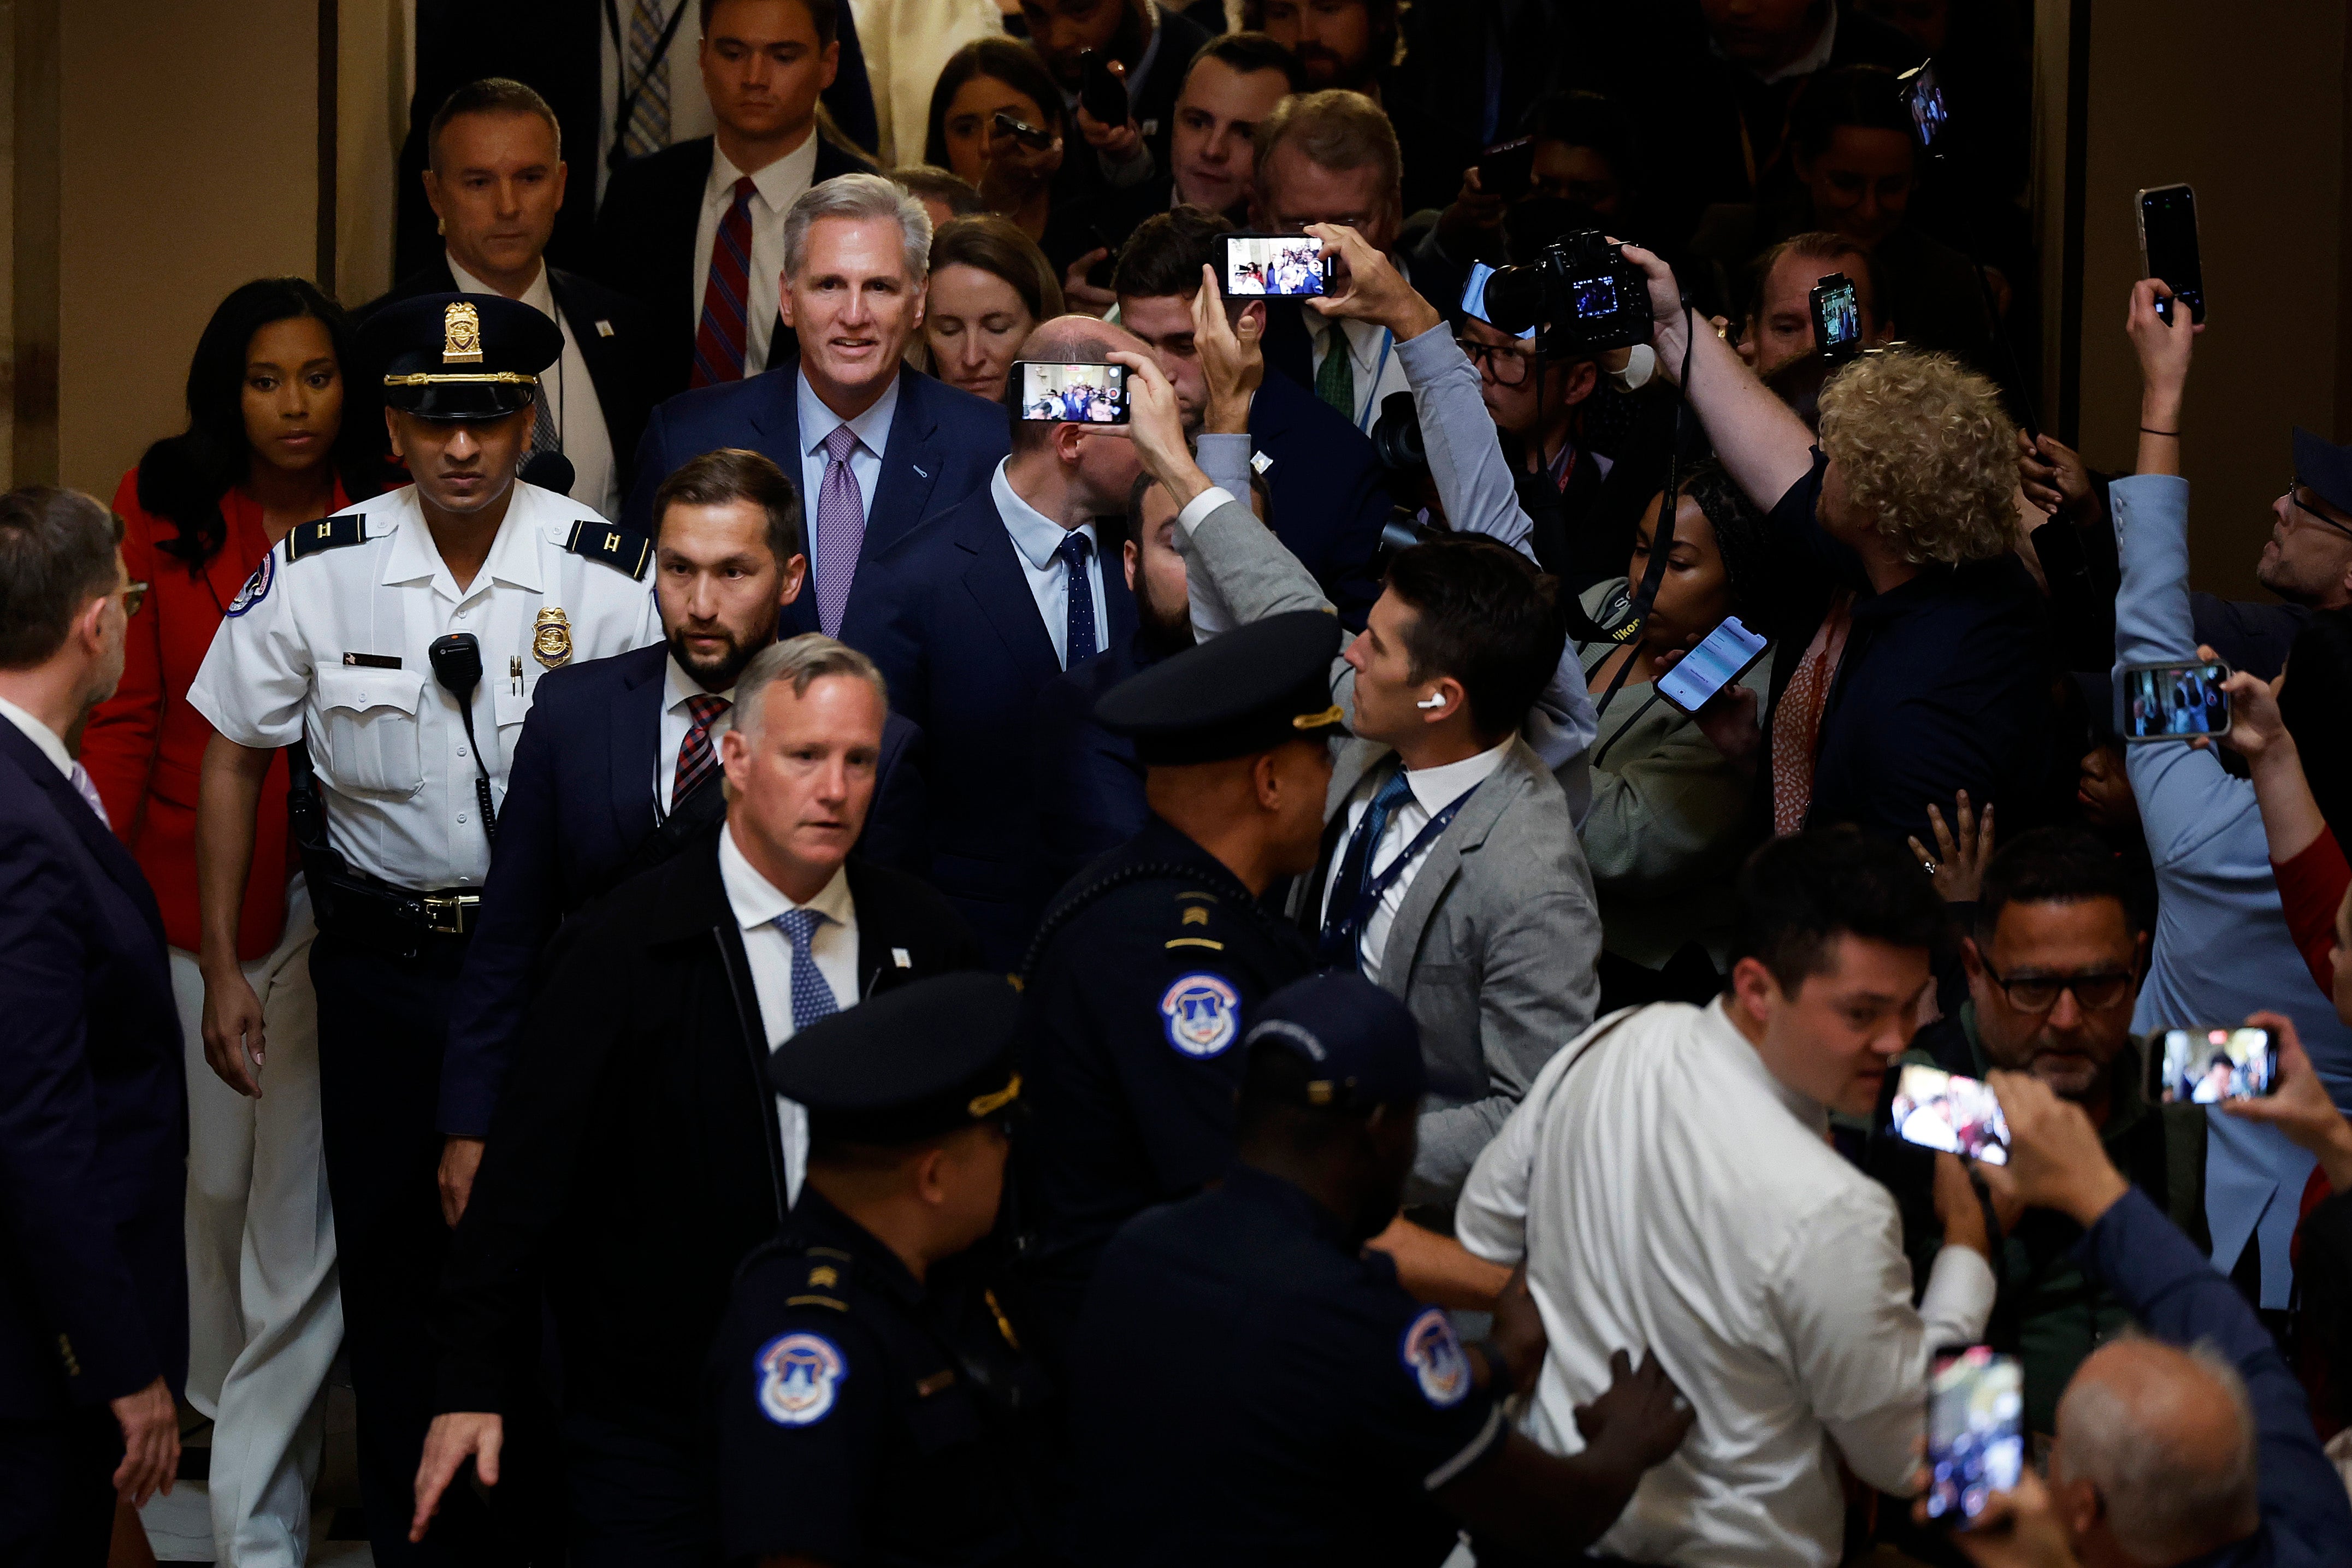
pixel 1089 789
pixel 1330 494
pixel 579 806
pixel 948 616
pixel 943 445
pixel 93 1108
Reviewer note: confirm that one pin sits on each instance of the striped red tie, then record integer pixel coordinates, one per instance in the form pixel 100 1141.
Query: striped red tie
pixel 719 341
pixel 697 758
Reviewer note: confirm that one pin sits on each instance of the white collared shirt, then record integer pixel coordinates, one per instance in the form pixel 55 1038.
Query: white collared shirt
pixel 570 396
pixel 1433 789
pixel 394 765
pixel 817 422
pixel 1037 543
pixel 776 188
pixel 678 687
pixel 1373 357
pixel 51 745
pixel 757 902
pixel 1672 1198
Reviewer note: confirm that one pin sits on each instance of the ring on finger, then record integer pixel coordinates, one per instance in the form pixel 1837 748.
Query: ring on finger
pixel 1928 865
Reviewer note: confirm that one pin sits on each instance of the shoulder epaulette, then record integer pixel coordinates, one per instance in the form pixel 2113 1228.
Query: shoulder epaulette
pixel 822 1271
pixel 625 550
pixel 326 534
pixel 1192 907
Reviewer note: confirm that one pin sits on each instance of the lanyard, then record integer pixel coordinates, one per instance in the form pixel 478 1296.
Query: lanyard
pixel 1340 940
pixel 1370 412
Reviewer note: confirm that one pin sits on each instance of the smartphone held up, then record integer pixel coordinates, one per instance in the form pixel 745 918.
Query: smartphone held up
pixel 2206 1066
pixel 2177 701
pixel 1939 1110
pixel 1975 1430
pixel 1049 393
pixel 1272 266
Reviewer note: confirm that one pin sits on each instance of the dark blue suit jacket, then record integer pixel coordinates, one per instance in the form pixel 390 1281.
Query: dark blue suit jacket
pixel 579 805
pixel 1088 795
pixel 93 1109
pixel 943 445
pixel 948 616
pixel 1330 494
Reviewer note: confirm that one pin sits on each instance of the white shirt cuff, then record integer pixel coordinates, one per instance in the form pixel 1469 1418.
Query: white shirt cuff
pixel 1200 506
pixel 1957 1301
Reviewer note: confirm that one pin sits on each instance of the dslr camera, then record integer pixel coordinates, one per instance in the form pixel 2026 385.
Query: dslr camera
pixel 1582 291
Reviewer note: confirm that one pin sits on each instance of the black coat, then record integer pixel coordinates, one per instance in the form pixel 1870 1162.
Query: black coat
pixel 612 334
pixel 634 1158
pixel 645 248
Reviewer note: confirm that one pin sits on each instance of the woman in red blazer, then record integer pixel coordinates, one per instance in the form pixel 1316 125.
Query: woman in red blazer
pixel 276 434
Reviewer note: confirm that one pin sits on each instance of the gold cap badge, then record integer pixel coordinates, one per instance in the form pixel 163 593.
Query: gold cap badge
pixel 461 334
pixel 550 639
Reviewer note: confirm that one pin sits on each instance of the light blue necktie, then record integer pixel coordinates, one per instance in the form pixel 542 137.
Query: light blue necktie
pixel 813 998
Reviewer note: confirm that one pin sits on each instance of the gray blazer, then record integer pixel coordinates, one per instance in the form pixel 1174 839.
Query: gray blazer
pixel 1494 947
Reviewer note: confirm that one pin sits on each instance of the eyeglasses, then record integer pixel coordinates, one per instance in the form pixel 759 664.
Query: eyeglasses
pixel 134 594
pixel 2095 991
pixel 1509 366
pixel 2314 513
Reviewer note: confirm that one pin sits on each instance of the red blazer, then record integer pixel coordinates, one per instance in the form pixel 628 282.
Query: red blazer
pixel 145 745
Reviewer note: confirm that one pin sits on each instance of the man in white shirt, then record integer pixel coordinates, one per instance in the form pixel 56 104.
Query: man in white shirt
pixel 1669 1185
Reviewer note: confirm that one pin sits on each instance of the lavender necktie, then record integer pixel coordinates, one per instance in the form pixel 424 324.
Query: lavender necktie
pixel 87 790
pixel 840 529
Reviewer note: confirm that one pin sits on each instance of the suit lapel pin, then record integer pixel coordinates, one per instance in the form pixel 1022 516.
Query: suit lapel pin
pixel 920 470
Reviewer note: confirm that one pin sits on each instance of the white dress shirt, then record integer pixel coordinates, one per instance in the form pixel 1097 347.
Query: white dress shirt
pixel 1434 789
pixel 677 687
pixel 757 903
pixel 1037 541
pixel 1372 352
pixel 776 188
pixel 40 735
pixel 689 106
pixel 570 396
pixel 1672 1198
pixel 817 422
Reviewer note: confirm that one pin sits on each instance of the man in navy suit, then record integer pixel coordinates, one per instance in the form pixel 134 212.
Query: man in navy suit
pixel 1329 498
pixel 969 617
pixel 617 767
pixel 669 220
pixel 93 1111
pixel 874 447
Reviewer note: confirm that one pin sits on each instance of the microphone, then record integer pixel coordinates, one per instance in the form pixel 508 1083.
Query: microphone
pixel 548 471
pixel 458 670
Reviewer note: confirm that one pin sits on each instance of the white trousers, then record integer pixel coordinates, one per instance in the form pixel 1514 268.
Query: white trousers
pixel 265 1316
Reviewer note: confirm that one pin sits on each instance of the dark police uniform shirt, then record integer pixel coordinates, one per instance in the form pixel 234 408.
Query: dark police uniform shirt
pixel 1249 1389
pixel 1140 989
pixel 864 1417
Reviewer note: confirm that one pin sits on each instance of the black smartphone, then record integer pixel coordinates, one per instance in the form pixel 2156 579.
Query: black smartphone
pixel 2206 1066
pixel 1975 1430
pixel 1049 393
pixel 1508 168
pixel 1837 317
pixel 1023 132
pixel 1940 1110
pixel 1100 93
pixel 2167 247
pixel 1924 97
pixel 1728 652
pixel 1272 266
pixel 2172 701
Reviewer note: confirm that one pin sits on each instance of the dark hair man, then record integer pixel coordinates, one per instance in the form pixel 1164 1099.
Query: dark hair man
pixel 637 1159
pixel 1123 173
pixel 496 178
pixel 93 1127
pixel 1361 1429
pixel 695 232
pixel 1233 84
pixel 1776 1294
pixel 1330 500
pixel 729 557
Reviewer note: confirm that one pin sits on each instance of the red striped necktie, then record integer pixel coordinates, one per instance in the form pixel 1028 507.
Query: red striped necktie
pixel 719 341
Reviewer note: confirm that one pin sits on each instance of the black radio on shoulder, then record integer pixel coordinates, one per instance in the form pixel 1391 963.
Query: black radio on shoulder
pixel 1582 291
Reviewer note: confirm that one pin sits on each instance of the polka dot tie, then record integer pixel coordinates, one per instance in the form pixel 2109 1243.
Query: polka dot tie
pixel 1079 639
pixel 811 997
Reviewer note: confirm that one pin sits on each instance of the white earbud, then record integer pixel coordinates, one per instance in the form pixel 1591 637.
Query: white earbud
pixel 1437 701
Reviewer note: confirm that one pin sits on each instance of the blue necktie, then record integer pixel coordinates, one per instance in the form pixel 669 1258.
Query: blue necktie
pixel 811 997
pixel 1079 645
pixel 1356 866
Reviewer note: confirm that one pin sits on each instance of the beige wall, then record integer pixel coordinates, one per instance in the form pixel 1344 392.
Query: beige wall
pixel 2246 103
pixel 187 139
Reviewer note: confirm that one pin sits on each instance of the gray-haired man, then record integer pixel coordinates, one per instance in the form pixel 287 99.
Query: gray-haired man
pixel 877 447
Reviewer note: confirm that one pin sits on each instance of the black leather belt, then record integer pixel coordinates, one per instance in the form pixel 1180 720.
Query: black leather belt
pixel 364 907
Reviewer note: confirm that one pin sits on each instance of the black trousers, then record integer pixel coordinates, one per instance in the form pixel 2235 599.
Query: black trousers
pixel 383 1015
pixel 57 1488
pixel 637 1500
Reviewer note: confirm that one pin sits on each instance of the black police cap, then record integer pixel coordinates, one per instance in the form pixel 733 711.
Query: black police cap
pixel 1361 1047
pixel 460 356
pixel 912 1064
pixel 1245 691
pixel 2323 468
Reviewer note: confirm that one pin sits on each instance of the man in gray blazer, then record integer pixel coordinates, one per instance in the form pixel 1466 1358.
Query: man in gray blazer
pixel 1450 873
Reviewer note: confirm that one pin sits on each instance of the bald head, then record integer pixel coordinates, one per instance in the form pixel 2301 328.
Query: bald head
pixel 2167 1438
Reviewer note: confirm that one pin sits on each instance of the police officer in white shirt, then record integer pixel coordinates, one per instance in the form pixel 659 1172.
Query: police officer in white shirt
pixel 401 639
pixel 1669 1185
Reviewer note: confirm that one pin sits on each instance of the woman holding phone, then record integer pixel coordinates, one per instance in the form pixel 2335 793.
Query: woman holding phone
pixel 1012 170
pixel 990 286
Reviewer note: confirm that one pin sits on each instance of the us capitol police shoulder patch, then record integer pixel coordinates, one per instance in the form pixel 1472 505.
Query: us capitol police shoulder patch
pixel 798 1373
pixel 257 587
pixel 1202 1013
pixel 1433 1353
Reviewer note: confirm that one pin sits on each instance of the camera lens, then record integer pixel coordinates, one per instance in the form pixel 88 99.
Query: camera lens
pixel 1515 297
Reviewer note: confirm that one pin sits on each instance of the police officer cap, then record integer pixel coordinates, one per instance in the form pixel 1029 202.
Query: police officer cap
pixel 460 356
pixel 1245 691
pixel 1361 1045
pixel 2323 468
pixel 912 1064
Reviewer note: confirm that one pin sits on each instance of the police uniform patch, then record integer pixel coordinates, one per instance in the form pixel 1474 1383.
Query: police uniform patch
pixel 623 549
pixel 257 587
pixel 1202 1014
pixel 1433 1353
pixel 325 533
pixel 798 1373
